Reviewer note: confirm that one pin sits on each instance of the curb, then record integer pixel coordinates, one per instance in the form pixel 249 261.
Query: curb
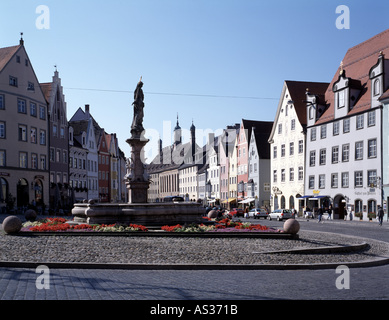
pixel 159 267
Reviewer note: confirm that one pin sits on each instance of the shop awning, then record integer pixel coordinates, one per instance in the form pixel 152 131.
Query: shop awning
pixel 318 197
pixel 304 197
pixel 247 200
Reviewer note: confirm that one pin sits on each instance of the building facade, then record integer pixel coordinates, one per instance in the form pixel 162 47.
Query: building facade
pixel 287 146
pixel 344 148
pixel 59 144
pixel 24 135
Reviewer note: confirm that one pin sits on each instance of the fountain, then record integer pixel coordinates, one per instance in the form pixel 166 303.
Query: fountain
pixel 137 211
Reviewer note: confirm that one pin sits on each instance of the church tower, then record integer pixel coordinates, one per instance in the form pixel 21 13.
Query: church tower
pixel 177 134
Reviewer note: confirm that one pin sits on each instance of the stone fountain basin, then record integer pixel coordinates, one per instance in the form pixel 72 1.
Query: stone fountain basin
pixel 147 214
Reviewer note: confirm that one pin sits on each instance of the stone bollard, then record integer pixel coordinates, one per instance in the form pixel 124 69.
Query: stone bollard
pixel 12 225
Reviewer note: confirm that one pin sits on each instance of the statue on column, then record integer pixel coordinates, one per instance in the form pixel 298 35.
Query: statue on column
pixel 137 123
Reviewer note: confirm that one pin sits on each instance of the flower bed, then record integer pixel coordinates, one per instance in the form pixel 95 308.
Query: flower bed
pixel 225 225
pixel 62 225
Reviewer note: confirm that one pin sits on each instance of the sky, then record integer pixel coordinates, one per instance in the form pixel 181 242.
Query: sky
pixel 213 62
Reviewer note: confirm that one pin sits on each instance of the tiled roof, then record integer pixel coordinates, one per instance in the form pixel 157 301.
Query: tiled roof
pixel 297 90
pixel 357 63
pixel 6 54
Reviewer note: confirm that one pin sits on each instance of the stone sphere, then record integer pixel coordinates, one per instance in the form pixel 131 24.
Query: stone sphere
pixel 30 215
pixel 291 226
pixel 212 214
pixel 12 224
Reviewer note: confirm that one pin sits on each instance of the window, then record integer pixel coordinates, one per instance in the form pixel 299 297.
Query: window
pixel 55 130
pixel 360 121
pixel 2 103
pixel 42 137
pixel 358 206
pixel 313 134
pixel 358 179
pixel 334 180
pixel 377 87
pixel 2 130
pixel 372 148
pixel 275 176
pixel 23 160
pixel 335 128
pixel 30 86
pixel 312 158
pixel 34 161
pixel 42 112
pixel 323 155
pixel 346 125
pixel 335 154
pixel 371 118
pixel 311 182
pixel 33 110
pixel 291 148
pixel 22 106
pixel 322 181
pixel 372 206
pixel 323 132
pixel 341 101
pixel 2 158
pixel 52 154
pixel 345 152
pixel 372 178
pixel 22 133
pixel 345 180
pixel 282 150
pixel 13 81
pixel 280 128
pixel 359 150
pixel 282 175
pixel 43 162
pixel 301 146
pixel 275 152
pixel 33 135
pixel 301 173
pixel 291 174
pixel 293 124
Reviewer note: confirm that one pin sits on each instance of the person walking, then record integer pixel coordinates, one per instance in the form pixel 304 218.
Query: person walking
pixel 320 214
pixel 330 209
pixel 380 215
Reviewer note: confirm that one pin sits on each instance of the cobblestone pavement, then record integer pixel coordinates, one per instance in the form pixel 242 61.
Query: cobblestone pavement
pixel 86 284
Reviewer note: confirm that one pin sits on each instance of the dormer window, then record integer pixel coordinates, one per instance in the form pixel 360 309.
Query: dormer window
pixel 341 100
pixel 377 90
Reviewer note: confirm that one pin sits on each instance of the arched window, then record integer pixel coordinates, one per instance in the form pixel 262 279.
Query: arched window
pixel 358 206
pixel 372 206
pixel 291 202
pixel 282 202
pixel 3 190
pixel 377 89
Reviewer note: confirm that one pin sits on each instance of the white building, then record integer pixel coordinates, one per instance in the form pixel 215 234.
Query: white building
pixel 287 145
pixel 259 166
pixel 344 147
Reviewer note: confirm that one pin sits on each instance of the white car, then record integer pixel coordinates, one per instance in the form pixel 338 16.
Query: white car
pixel 257 213
pixel 281 214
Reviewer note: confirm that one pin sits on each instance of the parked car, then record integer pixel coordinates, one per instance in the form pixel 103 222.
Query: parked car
pixel 257 213
pixel 281 214
pixel 237 212
pixel 173 199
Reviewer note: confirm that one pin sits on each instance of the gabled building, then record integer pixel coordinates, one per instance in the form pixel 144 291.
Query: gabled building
pixel 345 134
pixel 287 145
pixel 245 132
pixel 59 144
pixel 104 165
pixel 24 135
pixel 85 131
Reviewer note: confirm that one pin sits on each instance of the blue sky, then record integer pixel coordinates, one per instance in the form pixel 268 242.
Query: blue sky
pixel 237 51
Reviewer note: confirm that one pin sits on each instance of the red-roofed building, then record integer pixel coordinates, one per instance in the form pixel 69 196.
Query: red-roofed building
pixel 24 137
pixel 344 133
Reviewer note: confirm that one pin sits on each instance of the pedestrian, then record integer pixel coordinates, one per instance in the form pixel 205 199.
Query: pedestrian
pixel 345 214
pixel 380 215
pixel 330 212
pixel 320 214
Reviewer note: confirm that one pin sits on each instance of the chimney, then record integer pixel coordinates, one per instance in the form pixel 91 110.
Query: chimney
pixel 87 108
